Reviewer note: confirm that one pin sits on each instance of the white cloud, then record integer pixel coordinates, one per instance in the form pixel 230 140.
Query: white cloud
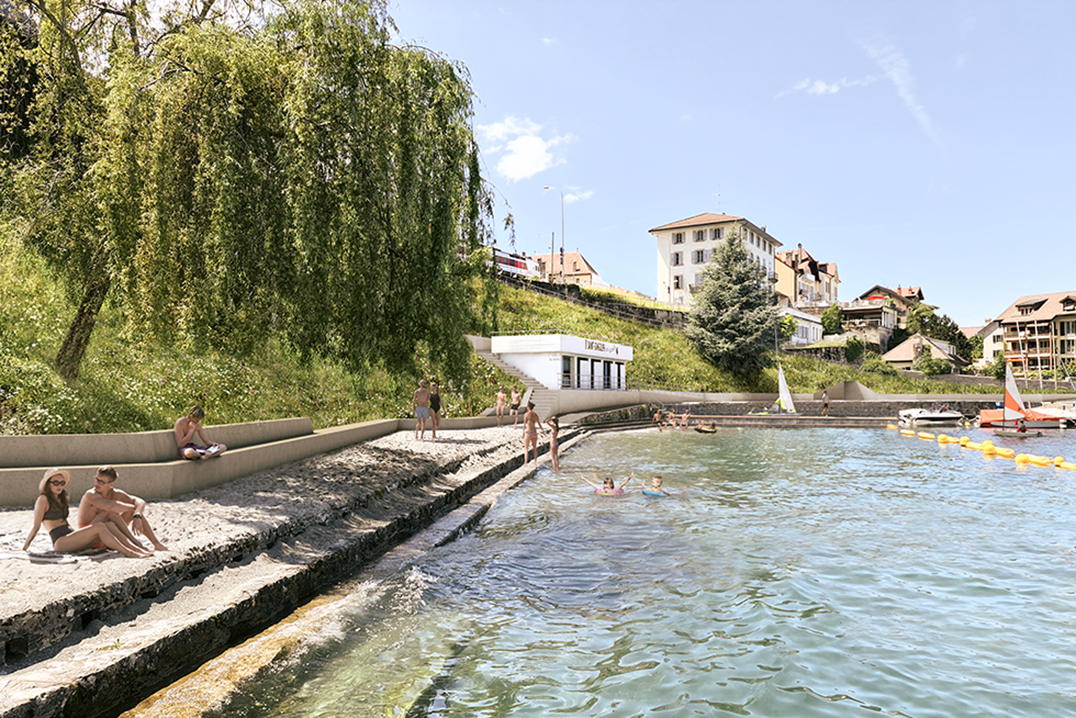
pixel 524 152
pixel 820 87
pixel 547 41
pixel 897 69
pixel 577 196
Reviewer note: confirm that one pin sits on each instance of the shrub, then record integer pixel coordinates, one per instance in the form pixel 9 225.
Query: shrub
pixel 853 349
pixel 876 365
pixel 932 367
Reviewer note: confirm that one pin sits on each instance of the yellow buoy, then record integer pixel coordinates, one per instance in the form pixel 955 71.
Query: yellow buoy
pixel 891 426
pixel 1040 461
pixel 1022 458
pixel 1005 453
pixel 907 432
pixel 1058 460
pixel 1069 465
pixel 926 435
pixel 964 440
pixel 973 445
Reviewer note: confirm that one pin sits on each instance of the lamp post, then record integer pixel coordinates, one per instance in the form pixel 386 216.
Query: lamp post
pixel 561 233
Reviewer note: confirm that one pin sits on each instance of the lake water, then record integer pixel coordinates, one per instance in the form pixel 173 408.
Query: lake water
pixel 805 572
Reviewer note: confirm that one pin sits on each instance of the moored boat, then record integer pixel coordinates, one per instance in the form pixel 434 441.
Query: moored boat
pixel 929 417
pixel 1013 411
pixel 1015 434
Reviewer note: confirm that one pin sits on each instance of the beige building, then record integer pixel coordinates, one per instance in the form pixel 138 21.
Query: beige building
pixel 903 355
pixel 686 246
pixel 810 285
pixel 1039 332
pixel 577 270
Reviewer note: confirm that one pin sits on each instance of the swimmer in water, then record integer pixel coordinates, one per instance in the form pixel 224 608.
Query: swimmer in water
pixel 608 486
pixel 655 486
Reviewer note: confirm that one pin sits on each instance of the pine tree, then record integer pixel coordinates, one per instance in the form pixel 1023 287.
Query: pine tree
pixel 735 317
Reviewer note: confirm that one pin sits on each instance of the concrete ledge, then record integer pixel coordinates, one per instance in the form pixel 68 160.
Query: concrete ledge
pixel 171 477
pixel 145 447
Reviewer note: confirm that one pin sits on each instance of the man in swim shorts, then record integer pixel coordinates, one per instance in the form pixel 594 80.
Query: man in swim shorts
pixel 104 502
pixel 189 426
pixel 514 406
pixel 421 402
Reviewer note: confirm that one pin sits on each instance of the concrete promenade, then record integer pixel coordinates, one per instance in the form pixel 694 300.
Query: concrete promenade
pixel 95 634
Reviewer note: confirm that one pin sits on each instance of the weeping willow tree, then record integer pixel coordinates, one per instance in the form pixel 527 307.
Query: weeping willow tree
pixel 295 176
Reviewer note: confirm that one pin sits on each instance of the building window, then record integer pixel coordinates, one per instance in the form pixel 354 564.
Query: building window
pixel 700 235
pixel 717 233
pixel 678 237
pixel 1068 346
pixel 1066 328
pixel 700 256
pixel 678 281
pixel 677 259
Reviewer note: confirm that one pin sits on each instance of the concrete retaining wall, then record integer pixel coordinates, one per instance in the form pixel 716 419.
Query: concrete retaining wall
pixel 283 442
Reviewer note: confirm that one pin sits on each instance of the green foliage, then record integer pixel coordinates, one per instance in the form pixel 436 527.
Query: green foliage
pixel 734 320
pixel 922 319
pixel 301 181
pixel 997 367
pixel 930 366
pixel 788 327
pixel 831 320
pixel 874 363
pixel 975 348
pixel 853 349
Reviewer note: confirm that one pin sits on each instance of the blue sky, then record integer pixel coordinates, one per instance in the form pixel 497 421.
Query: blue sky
pixel 927 144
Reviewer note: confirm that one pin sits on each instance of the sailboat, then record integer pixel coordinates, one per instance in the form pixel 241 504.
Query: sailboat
pixel 1013 410
pixel 784 396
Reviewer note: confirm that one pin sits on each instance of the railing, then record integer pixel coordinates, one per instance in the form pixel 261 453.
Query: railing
pixel 593 383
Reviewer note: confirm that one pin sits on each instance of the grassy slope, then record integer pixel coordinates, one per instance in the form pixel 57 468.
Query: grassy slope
pixel 127 385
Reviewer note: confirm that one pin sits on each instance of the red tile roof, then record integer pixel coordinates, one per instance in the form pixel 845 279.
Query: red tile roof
pixel 569 257
pixel 1051 306
pixel 698 220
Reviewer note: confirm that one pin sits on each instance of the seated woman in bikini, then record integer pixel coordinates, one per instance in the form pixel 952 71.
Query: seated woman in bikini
pixel 609 486
pixel 51 509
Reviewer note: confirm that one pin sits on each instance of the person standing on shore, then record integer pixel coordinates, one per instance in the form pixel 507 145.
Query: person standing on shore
pixel 421 402
pixel 825 403
pixel 517 397
pixel 531 424
pixel 104 502
pixel 554 429
pixel 501 400
pixel 435 409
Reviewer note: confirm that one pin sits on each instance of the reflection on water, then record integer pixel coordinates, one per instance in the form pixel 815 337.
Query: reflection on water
pixel 812 572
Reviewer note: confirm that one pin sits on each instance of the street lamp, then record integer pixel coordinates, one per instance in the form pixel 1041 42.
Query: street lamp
pixel 561 234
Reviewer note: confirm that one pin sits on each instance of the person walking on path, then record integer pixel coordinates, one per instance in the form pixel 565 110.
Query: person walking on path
pixel 421 402
pixel 825 403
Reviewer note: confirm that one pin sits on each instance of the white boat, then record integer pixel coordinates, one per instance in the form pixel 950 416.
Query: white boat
pixel 929 417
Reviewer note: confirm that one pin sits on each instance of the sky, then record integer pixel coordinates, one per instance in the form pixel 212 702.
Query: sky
pixel 928 144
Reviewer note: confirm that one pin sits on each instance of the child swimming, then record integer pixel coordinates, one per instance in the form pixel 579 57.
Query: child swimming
pixel 655 488
pixel 609 486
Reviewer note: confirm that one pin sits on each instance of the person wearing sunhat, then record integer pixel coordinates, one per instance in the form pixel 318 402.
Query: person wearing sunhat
pixel 51 510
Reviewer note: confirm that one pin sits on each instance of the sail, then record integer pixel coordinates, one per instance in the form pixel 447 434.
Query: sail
pixel 1014 403
pixel 784 396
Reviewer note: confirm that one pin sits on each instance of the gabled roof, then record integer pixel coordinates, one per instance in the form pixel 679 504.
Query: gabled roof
pixel 913 293
pixel 708 218
pixel 906 350
pixel 698 220
pixel 1043 307
pixel 880 292
pixel 570 258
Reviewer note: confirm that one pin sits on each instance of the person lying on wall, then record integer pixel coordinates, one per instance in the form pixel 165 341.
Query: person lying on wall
pixel 104 502
pixel 189 426
pixel 51 510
